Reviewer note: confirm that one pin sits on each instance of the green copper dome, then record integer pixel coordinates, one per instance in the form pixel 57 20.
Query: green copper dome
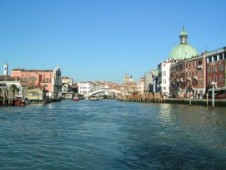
pixel 183 50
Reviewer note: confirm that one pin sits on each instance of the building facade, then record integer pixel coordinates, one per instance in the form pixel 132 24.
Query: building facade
pixel 140 86
pixel 187 76
pixel 67 91
pixel 184 72
pixel 215 68
pixel 163 81
pixel 150 81
pixel 86 87
pixel 50 80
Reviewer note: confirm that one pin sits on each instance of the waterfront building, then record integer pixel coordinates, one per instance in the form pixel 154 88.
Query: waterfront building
pixel 129 85
pixel 187 77
pixel 86 87
pixel 66 80
pixel 216 71
pixel 163 80
pixel 10 88
pixel 140 85
pixel 150 80
pixel 67 91
pixel 183 74
pixel 50 80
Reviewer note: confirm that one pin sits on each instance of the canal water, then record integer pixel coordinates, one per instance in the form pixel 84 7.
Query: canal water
pixel 109 134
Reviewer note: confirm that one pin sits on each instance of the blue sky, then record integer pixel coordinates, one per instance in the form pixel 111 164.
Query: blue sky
pixel 104 39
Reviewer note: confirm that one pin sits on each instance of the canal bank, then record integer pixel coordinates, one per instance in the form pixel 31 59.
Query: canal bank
pixel 158 98
pixel 202 102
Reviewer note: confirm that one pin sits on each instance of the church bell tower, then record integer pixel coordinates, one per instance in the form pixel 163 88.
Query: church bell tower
pixel 5 69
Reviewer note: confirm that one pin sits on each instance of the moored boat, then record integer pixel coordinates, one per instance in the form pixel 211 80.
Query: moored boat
pixel 76 98
pixel 18 101
pixel 95 98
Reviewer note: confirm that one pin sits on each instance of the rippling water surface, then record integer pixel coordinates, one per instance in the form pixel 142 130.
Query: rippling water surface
pixel 109 134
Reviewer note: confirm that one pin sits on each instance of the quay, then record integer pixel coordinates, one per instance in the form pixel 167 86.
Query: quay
pixel 159 98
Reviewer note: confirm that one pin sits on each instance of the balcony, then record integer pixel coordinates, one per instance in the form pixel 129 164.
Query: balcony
pixel 199 67
pixel 188 78
pixel 195 77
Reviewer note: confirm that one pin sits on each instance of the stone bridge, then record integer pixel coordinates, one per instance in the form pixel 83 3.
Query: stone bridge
pixel 106 91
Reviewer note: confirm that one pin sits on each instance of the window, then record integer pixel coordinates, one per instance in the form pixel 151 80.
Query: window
pixel 209 80
pixel 164 73
pixel 25 80
pixel 200 62
pixel 210 59
pixel 221 56
pixel 32 78
pixel 221 78
pixel 221 67
pixel 215 68
pixel 215 78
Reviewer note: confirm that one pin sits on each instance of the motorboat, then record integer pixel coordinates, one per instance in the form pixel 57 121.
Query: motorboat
pixel 95 98
pixel 75 98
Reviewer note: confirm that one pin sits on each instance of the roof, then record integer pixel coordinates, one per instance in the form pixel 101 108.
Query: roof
pixel 183 50
pixel 24 70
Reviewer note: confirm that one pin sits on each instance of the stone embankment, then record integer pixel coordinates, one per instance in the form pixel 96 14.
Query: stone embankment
pixel 158 98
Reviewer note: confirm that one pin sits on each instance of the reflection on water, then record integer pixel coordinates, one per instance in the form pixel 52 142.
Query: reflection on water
pixel 112 135
pixel 165 113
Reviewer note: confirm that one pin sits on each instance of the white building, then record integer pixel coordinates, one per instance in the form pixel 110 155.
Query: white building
pixel 163 84
pixel 86 87
pixel 140 85
pixel 67 80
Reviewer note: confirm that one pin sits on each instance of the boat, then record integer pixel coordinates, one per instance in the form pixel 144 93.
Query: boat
pixel 18 101
pixel 94 98
pixel 76 98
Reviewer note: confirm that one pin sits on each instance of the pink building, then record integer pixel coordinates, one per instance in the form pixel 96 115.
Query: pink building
pixel 49 80
pixel 189 75
pixel 215 68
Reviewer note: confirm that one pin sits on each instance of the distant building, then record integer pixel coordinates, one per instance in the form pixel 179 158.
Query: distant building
pixel 140 86
pixel 67 80
pixel 50 80
pixel 129 85
pixel 86 87
pixel 163 81
pixel 6 69
pixel 6 85
pixel 67 90
pixel 150 80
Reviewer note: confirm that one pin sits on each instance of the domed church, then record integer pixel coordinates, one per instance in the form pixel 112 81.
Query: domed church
pixel 183 50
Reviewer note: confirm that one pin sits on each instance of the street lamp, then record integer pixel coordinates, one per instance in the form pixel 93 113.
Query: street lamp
pixel 214 85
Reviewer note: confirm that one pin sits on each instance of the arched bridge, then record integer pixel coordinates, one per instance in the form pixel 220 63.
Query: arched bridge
pixel 105 91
